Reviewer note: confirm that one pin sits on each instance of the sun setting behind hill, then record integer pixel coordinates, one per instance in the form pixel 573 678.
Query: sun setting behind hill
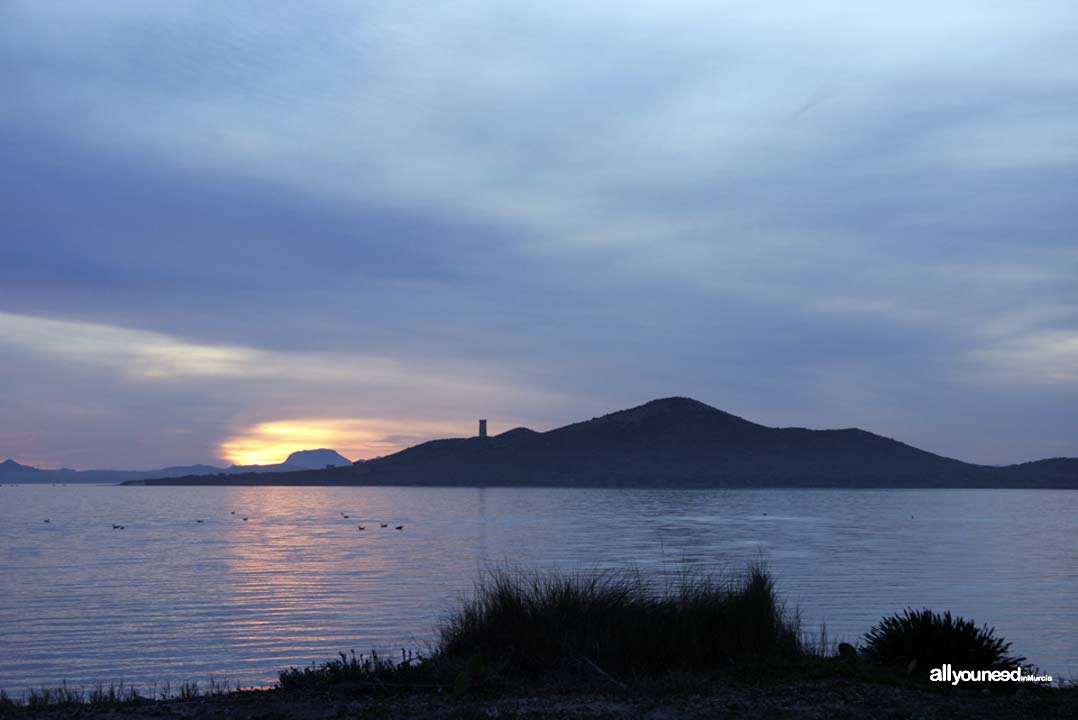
pixel 270 442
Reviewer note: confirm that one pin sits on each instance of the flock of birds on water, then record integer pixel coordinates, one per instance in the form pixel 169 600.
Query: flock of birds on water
pixel 359 528
pixel 363 527
pixel 246 518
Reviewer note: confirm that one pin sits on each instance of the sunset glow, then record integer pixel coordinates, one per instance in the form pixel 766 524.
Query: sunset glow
pixel 271 442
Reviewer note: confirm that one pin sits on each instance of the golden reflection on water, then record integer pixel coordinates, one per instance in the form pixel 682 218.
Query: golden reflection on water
pixel 296 550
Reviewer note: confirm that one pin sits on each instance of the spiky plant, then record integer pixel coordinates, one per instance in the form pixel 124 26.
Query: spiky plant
pixel 918 640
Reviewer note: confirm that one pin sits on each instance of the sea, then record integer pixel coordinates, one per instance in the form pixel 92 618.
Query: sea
pixel 235 584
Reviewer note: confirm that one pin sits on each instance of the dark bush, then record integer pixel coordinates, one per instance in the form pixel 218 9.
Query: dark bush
pixel 532 624
pixel 933 640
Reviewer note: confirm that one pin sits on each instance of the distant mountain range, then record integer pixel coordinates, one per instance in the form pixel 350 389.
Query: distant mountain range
pixel 13 472
pixel 669 443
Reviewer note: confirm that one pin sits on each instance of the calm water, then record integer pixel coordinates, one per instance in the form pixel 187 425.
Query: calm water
pixel 170 599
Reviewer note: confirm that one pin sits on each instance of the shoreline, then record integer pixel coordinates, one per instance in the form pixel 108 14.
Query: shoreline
pixel 803 696
pixel 608 645
pixel 243 482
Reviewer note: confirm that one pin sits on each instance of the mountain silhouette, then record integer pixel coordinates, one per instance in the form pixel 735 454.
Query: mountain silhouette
pixel 13 472
pixel 673 442
pixel 317 459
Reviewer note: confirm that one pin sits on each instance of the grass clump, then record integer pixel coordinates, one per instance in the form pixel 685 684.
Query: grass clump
pixel 615 624
pixel 112 696
pixel 45 697
pixel 373 670
pixel 598 628
pixel 916 641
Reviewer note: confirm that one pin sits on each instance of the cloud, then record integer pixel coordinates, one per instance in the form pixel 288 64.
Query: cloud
pixel 1047 359
pixel 799 212
pixel 141 355
pixel 64 374
pixel 153 357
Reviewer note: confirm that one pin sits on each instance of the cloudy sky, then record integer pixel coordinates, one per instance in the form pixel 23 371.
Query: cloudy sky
pixel 229 230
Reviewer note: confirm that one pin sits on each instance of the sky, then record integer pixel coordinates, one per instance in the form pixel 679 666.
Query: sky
pixel 233 230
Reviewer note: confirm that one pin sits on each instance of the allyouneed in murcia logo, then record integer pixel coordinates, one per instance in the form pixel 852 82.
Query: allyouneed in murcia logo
pixel 949 674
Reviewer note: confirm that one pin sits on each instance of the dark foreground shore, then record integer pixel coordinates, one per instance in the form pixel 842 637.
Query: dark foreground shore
pixel 688 698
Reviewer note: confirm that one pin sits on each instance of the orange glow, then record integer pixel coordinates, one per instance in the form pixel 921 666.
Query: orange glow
pixel 268 443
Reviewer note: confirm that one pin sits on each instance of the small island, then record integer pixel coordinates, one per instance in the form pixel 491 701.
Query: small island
pixel 667 443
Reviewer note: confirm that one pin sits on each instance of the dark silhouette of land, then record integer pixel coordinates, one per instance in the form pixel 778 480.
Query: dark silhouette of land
pixel 669 443
pixel 13 472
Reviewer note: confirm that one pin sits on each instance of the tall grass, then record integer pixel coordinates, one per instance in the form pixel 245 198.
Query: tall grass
pixel 535 623
pixel 517 625
pixel 113 695
pixel 374 670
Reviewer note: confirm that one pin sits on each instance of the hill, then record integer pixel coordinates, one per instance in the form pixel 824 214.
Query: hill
pixel 13 472
pixel 673 443
pixel 317 459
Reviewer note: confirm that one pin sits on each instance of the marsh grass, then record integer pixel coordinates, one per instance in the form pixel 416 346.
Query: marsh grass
pixel 605 627
pixel 62 695
pixel 616 623
pixel 373 670
pixel 113 695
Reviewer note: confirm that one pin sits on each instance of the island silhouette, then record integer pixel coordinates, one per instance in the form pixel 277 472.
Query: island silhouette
pixel 673 442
